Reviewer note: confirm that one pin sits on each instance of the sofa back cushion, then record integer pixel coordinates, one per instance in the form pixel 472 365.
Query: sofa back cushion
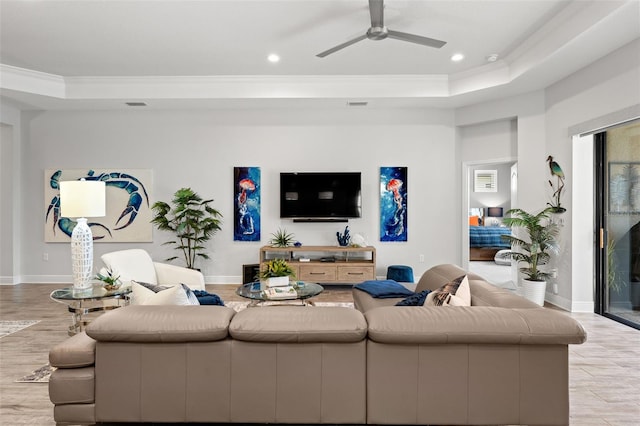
pixel 296 324
pixel 162 324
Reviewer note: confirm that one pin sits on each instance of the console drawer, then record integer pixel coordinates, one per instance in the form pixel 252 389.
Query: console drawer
pixel 317 273
pixel 350 274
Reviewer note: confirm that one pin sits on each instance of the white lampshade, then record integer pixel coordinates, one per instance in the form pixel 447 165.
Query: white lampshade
pixel 82 198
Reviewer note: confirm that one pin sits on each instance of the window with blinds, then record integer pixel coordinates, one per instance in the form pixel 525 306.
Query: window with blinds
pixel 485 180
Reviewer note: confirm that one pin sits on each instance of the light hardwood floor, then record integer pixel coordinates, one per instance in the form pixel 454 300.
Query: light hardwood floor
pixel 604 372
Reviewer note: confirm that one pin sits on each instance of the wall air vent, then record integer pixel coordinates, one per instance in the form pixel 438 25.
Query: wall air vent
pixel 485 180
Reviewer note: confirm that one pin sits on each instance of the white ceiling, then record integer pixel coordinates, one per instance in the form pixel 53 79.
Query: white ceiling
pixel 98 54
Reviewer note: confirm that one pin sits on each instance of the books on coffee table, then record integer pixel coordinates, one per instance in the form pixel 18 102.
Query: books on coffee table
pixel 284 292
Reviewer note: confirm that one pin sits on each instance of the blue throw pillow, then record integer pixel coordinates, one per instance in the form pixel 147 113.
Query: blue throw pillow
pixel 416 299
pixel 384 289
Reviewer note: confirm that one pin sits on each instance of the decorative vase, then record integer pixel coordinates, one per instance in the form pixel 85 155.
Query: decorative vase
pixel 534 290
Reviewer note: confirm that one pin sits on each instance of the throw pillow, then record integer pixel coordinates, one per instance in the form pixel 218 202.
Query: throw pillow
pixel 142 295
pixel 415 300
pixel 190 294
pixel 384 289
pixel 454 293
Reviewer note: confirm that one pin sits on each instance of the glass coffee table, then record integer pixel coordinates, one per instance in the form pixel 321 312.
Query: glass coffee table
pixel 302 291
pixel 82 302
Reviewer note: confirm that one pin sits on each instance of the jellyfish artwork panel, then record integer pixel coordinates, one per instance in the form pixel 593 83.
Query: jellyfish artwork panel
pixel 246 210
pixel 128 217
pixel 393 204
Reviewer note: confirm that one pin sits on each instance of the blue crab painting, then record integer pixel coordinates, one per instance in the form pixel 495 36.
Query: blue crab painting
pixel 125 184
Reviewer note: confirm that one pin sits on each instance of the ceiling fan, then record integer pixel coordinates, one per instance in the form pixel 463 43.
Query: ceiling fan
pixel 378 31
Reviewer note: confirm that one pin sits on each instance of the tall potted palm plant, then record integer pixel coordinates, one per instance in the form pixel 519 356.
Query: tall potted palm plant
pixel 191 219
pixel 534 249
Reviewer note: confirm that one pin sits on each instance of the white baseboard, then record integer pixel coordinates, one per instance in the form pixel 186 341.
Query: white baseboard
pixel 46 279
pixel 8 280
pixel 558 301
pixel 585 306
pixel 229 279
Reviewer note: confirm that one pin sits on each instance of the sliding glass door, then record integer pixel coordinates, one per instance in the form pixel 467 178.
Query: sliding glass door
pixel 618 223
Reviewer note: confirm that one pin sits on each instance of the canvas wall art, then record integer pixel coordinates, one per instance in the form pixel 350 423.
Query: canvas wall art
pixel 246 211
pixel 393 204
pixel 128 193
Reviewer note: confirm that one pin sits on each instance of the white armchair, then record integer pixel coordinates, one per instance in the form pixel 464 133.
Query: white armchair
pixel 136 264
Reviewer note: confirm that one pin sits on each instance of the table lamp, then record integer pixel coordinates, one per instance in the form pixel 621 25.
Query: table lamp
pixel 494 212
pixel 80 199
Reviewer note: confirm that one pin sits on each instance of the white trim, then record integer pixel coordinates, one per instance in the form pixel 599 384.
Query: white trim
pixel 582 225
pixel 464 213
pixel 559 301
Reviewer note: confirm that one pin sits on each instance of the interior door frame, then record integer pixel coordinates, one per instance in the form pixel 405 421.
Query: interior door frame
pixel 467 177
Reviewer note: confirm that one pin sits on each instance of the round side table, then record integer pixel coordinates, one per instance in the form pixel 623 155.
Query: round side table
pixel 82 302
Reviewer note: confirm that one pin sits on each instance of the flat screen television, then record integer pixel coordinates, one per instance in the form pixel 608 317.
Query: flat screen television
pixel 320 196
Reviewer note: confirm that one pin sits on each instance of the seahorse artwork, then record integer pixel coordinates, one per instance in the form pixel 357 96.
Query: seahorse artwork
pixel 393 204
pixel 128 212
pixel 246 214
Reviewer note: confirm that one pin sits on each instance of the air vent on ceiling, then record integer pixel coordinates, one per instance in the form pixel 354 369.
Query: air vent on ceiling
pixel 136 104
pixel 357 103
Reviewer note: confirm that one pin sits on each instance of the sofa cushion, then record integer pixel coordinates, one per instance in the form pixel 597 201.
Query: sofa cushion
pixel 472 325
pixel 72 386
pixel 146 323
pixel 453 293
pixel 298 324
pixel 76 351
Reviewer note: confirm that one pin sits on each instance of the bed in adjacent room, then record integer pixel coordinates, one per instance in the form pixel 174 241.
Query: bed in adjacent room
pixel 486 241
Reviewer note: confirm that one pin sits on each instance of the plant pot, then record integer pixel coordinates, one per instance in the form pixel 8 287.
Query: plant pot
pixel 534 291
pixel 277 281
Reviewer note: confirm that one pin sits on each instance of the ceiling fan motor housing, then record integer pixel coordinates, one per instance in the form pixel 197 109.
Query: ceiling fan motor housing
pixel 377 33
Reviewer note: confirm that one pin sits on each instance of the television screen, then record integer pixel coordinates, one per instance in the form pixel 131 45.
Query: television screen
pixel 320 195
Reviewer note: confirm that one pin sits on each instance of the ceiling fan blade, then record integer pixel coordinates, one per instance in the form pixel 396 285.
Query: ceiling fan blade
pixel 376 10
pixel 425 41
pixel 341 46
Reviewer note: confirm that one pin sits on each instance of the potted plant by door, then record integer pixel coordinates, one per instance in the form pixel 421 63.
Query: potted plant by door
pixel 276 273
pixel 534 249
pixel 191 219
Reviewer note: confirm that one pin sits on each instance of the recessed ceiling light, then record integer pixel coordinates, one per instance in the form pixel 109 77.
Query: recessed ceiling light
pixel 273 58
pixel 492 58
pixel 457 57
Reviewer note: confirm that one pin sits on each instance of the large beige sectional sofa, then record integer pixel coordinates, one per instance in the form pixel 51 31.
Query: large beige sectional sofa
pixel 503 360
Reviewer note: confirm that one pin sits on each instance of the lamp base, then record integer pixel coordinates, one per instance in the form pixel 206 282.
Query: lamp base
pixel 82 255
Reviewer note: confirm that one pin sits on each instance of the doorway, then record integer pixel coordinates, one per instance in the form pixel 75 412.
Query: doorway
pixel 489 193
pixel 617 155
